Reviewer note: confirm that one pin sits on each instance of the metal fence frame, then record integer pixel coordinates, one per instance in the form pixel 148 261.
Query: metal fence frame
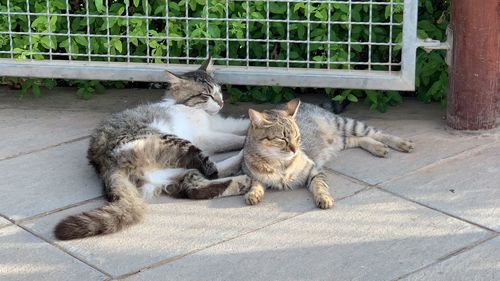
pixel 239 75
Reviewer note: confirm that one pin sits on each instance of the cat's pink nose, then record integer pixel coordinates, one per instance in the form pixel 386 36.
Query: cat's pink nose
pixel 293 148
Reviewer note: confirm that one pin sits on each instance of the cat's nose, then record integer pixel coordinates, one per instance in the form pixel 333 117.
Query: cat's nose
pixel 293 148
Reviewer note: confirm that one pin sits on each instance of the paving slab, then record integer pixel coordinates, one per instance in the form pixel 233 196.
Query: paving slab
pixel 468 187
pixel 369 236
pixel 31 130
pixel 44 181
pixel 65 99
pixel 482 263
pixel 410 109
pixel 26 257
pixel 429 147
pixel 406 128
pixel 175 227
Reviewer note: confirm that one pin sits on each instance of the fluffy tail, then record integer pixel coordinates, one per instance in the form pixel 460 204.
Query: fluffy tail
pixel 128 209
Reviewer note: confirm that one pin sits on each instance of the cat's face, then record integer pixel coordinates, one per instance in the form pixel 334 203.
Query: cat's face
pixel 275 133
pixel 196 89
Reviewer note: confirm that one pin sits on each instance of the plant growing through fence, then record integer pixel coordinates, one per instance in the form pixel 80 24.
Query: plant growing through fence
pixel 431 80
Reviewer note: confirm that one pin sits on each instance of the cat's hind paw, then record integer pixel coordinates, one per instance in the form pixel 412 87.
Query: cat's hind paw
pixel 405 145
pixel 380 150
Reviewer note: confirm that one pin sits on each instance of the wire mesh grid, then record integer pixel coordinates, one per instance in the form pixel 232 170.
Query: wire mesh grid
pixel 290 34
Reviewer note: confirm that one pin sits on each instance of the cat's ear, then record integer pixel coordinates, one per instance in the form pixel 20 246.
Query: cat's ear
pixel 257 119
pixel 172 79
pixel 292 107
pixel 208 66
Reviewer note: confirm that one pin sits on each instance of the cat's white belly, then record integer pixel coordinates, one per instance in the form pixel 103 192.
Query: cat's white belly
pixel 186 123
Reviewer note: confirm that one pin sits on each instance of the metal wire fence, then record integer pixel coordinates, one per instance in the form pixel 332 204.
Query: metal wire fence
pixel 323 43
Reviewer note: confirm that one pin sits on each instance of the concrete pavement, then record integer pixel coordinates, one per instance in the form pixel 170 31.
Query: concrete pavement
pixel 429 215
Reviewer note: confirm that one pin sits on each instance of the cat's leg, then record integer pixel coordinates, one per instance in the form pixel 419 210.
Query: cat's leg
pixel 231 165
pixel 216 142
pixel 397 143
pixel 237 126
pixel 369 144
pixel 318 186
pixel 256 193
pixel 354 128
pixel 194 185
pixel 186 155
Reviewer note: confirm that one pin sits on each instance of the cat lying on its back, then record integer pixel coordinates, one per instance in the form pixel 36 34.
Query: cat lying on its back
pixel 158 147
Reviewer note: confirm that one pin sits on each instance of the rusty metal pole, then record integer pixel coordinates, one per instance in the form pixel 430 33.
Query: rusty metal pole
pixel 474 96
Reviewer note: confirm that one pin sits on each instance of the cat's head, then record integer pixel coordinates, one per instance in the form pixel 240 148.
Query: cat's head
pixel 274 134
pixel 196 89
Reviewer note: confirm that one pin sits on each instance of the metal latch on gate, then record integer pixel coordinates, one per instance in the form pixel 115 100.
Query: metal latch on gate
pixel 429 44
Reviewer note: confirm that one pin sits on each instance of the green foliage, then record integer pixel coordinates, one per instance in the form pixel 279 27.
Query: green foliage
pixel 148 38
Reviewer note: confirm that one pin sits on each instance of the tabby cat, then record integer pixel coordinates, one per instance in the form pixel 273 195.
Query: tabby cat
pixel 162 147
pixel 275 156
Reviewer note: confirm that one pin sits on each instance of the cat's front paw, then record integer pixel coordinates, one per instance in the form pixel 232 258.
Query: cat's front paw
pixel 406 145
pixel 324 201
pixel 254 197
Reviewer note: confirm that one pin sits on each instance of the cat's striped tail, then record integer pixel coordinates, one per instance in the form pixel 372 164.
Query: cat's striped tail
pixel 128 209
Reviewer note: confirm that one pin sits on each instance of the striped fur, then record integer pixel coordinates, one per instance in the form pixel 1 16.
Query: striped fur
pixel 133 149
pixel 286 149
pixel 324 134
pixel 273 157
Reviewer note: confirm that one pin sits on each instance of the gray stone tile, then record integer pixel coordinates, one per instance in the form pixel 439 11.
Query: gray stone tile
pixel 30 130
pixel 64 99
pixel 25 257
pixel 50 179
pixel 481 263
pixel 429 148
pixel 175 227
pixel 4 222
pixel 370 236
pixel 407 128
pixel 410 109
pixel 468 187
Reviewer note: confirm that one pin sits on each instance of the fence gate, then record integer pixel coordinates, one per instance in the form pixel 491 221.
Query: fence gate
pixel 328 43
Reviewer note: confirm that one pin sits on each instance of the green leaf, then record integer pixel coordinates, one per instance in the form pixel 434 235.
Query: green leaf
pixel 339 98
pixel 49 83
pixel 98 5
pixel 288 95
pixel 352 98
pixel 118 45
pixel 137 2
pixel 36 90
pixel 277 97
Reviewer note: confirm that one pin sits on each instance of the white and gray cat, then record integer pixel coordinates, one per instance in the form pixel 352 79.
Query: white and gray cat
pixel 159 147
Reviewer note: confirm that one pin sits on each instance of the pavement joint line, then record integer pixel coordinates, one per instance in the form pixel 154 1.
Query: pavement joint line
pixel 438 210
pixel 378 187
pixel 44 148
pixel 468 152
pixel 8 219
pixel 50 242
pixel 242 234
pixel 448 256
pixel 44 214
pixel 349 178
